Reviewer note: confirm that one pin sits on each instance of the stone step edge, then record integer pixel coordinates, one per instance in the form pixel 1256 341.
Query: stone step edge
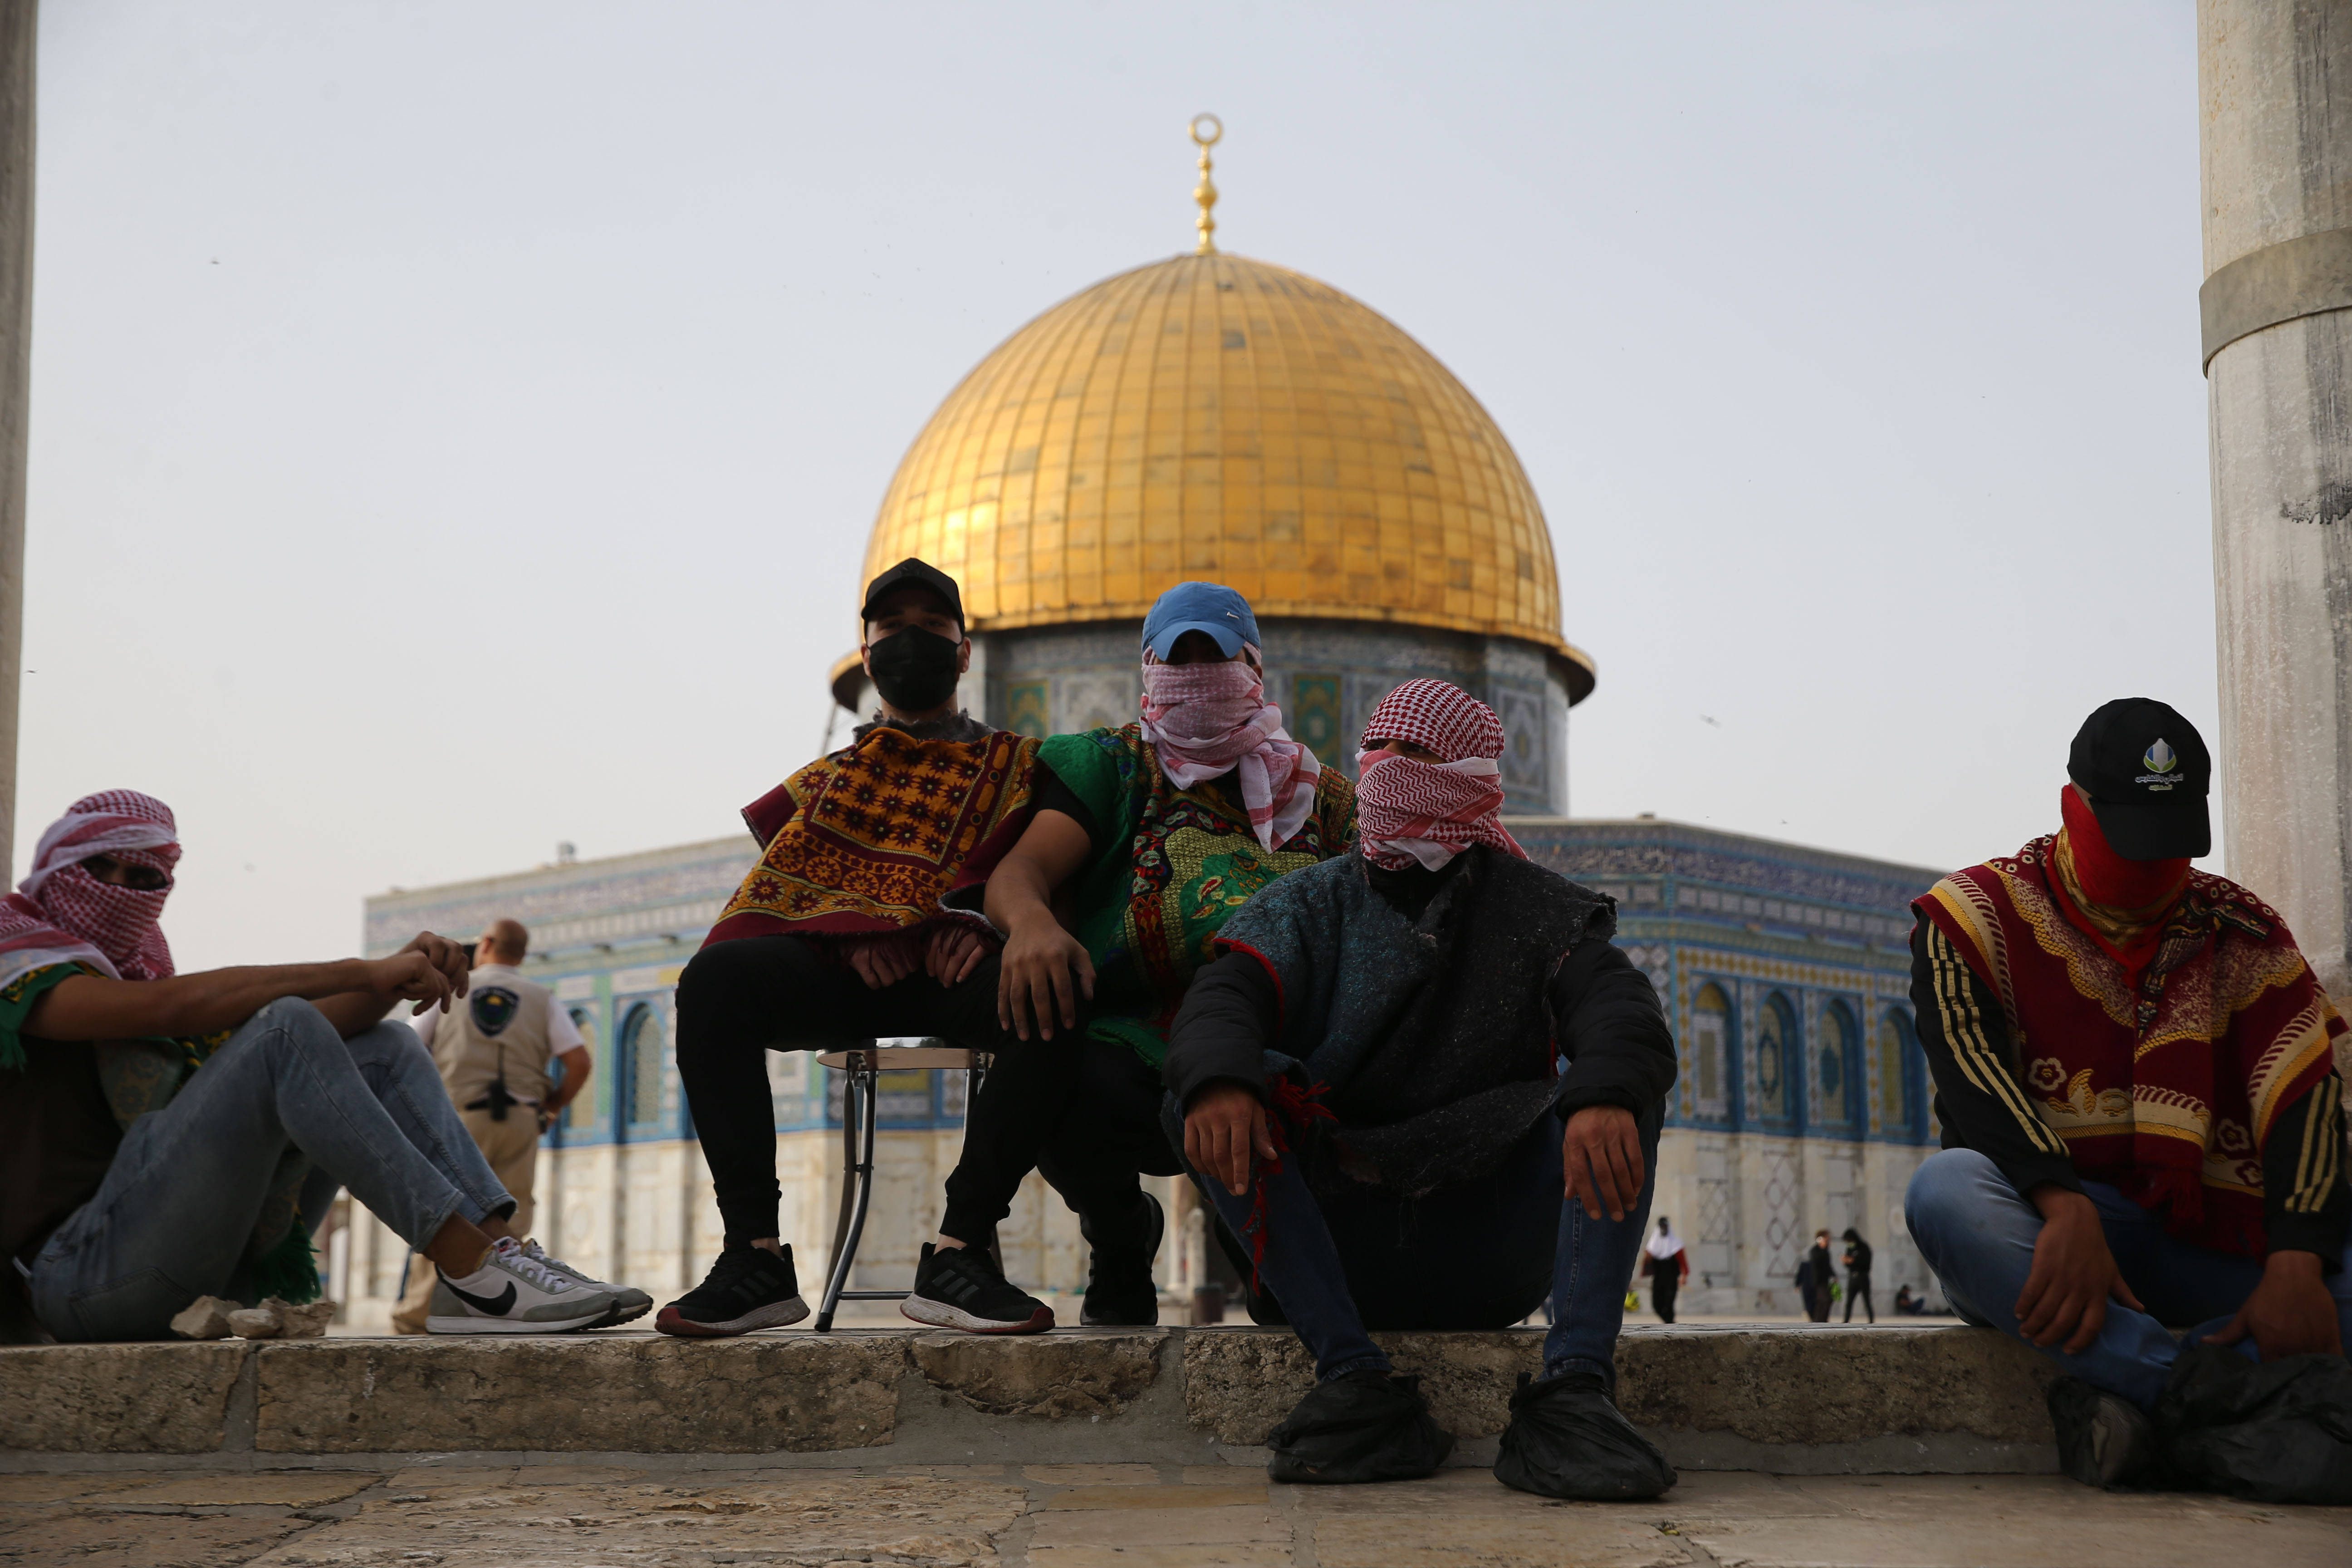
pixel 1796 1398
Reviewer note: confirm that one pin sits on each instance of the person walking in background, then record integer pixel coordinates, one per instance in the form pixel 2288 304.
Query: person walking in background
pixel 1815 1278
pixel 493 1054
pixel 1666 1266
pixel 1857 1275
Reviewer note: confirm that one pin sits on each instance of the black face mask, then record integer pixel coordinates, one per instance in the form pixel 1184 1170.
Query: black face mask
pixel 915 670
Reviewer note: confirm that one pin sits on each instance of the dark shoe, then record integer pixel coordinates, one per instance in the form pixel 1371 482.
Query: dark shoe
pixel 1120 1290
pixel 748 1287
pixel 2103 1440
pixel 1566 1439
pixel 1359 1426
pixel 2276 1431
pixel 962 1288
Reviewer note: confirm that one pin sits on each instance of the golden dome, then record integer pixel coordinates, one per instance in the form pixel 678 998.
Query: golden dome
pixel 1211 417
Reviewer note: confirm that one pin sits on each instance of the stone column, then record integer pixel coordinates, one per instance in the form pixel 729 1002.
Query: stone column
pixel 2274 85
pixel 19 34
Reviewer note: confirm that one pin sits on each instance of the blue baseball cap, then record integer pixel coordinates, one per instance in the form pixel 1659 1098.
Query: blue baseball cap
pixel 1210 607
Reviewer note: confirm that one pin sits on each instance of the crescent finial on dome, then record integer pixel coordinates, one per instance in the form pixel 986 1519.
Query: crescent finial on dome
pixel 1205 192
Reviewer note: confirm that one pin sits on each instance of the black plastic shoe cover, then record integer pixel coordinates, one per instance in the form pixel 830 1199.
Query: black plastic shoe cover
pixel 1362 1426
pixel 2276 1431
pixel 1566 1439
pixel 1120 1290
pixel 2104 1439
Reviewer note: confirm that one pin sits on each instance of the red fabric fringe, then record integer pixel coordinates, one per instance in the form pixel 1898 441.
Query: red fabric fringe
pixel 1299 1105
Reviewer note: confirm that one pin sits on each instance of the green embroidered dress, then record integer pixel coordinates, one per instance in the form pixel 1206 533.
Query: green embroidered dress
pixel 1170 866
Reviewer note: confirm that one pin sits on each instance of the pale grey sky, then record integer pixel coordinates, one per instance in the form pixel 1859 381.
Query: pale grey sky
pixel 455 427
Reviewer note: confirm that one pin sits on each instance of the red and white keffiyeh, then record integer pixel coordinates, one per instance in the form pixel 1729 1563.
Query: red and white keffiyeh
pixel 62 914
pixel 1411 812
pixel 1206 720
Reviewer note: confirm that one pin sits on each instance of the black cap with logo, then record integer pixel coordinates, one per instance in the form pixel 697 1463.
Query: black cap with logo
pixel 2146 772
pixel 913 573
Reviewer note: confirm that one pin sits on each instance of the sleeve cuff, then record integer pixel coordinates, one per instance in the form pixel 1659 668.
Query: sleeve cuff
pixel 2307 1233
pixel 1574 1098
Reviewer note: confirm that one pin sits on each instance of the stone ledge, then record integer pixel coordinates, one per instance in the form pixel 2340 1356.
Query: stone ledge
pixel 1796 1398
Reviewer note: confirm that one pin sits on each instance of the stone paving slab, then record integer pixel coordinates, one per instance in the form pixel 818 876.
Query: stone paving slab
pixel 679 1514
pixel 1778 1397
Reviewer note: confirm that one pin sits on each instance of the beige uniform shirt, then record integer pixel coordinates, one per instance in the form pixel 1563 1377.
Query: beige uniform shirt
pixel 503 1024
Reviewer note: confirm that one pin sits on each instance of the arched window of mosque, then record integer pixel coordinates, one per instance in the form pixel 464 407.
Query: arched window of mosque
pixel 641 1048
pixel 1832 1066
pixel 579 1116
pixel 1897 1048
pixel 1776 1047
pixel 1710 1053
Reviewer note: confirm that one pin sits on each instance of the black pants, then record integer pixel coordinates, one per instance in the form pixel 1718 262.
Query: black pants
pixel 739 1000
pixel 1857 1288
pixel 1101 1131
pixel 1662 1295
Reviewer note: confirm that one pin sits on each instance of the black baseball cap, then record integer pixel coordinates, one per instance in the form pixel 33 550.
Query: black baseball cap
pixel 913 573
pixel 2146 772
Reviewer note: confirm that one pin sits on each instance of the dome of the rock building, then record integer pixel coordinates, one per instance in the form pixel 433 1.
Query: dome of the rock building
pixel 1211 417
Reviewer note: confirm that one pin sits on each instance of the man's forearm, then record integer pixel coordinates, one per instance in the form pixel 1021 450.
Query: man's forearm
pixel 88 1007
pixel 1017 892
pixel 577 1065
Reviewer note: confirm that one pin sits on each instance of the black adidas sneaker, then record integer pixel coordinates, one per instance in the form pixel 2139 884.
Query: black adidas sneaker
pixel 749 1287
pixel 963 1288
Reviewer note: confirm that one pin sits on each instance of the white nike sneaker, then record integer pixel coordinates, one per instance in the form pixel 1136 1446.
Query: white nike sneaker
pixel 513 1293
pixel 629 1303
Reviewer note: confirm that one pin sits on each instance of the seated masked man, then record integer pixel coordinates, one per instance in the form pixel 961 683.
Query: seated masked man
pixel 166 1136
pixel 1147 836
pixel 838 934
pixel 1372 1095
pixel 2142 1118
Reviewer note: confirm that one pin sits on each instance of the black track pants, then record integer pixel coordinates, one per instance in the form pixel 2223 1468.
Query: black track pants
pixel 739 1000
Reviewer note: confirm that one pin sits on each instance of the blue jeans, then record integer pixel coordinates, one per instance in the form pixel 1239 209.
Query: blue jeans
pixel 1482 1256
pixel 1978 1232
pixel 171 1220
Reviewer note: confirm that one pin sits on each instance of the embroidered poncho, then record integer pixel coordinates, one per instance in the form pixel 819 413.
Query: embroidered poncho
pixel 871 837
pixel 2168 1087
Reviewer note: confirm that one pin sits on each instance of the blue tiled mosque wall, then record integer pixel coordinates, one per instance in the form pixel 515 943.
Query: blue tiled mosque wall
pixel 1791 967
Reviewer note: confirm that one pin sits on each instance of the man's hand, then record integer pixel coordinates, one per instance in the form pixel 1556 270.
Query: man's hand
pixel 2066 1296
pixel 1035 983
pixel 1602 1156
pixel 885 959
pixel 1226 1126
pixel 411 976
pixel 445 955
pixel 2290 1312
pixel 952 949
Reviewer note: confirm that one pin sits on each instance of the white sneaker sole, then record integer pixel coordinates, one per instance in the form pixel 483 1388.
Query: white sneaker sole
pixel 472 1325
pixel 781 1314
pixel 939 1315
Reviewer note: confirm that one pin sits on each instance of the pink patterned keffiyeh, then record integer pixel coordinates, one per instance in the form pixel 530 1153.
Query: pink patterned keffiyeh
pixel 1205 719
pixel 1411 812
pixel 62 914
